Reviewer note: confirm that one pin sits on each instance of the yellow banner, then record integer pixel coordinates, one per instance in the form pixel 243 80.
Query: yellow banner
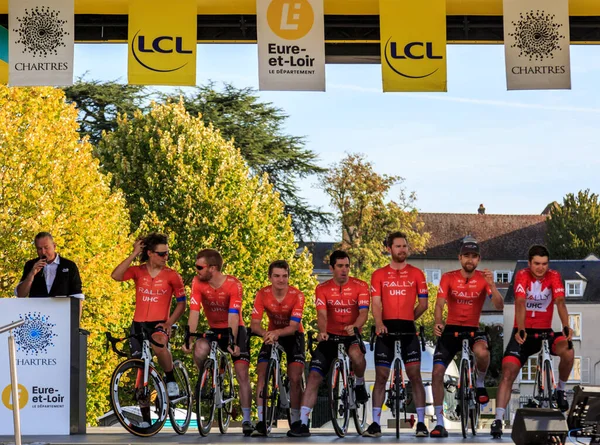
pixel 413 45
pixel 162 42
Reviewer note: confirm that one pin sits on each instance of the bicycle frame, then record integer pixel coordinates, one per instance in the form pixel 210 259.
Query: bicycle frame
pixel 345 359
pixel 467 358
pixel 284 396
pixel 397 357
pixel 217 355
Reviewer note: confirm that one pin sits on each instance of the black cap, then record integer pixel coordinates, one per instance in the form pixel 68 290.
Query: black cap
pixel 469 247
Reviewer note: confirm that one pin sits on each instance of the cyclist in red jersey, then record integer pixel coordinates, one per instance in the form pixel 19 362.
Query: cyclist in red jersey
pixel 155 286
pixel 537 289
pixel 342 304
pixel 465 291
pixel 220 296
pixel 284 306
pixel 399 293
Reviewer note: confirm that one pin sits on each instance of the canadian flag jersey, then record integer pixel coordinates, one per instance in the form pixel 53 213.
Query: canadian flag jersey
pixel 539 296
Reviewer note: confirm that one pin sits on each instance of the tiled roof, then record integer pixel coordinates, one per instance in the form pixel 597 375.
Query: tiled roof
pixel 320 252
pixel 500 237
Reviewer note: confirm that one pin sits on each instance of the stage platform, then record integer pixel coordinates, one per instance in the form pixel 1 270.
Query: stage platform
pixel 117 436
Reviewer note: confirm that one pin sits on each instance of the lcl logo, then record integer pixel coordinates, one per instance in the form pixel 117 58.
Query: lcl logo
pixel 410 51
pixel 158 45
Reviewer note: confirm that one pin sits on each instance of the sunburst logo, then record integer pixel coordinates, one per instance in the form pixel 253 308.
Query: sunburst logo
pixel 41 31
pixel 36 335
pixel 537 35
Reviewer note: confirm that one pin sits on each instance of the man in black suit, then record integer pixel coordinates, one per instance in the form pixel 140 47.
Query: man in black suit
pixel 49 275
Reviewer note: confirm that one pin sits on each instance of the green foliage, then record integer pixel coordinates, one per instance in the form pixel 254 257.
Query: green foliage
pixel 50 182
pixel 574 226
pixel 179 176
pixel 256 127
pixel 257 131
pixel 428 318
pixel 358 194
pixel 99 104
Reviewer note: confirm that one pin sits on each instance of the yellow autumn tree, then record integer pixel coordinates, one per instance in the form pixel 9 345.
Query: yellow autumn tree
pixel 49 181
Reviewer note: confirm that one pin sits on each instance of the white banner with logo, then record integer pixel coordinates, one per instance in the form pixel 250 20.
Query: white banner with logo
pixel 536 44
pixel 43 365
pixel 42 38
pixel 291 45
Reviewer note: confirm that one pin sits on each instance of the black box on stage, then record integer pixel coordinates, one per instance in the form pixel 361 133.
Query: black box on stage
pixel 536 426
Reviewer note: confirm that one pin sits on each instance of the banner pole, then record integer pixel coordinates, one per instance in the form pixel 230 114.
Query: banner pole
pixel 14 387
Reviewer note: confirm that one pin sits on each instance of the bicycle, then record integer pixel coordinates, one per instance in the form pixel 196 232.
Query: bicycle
pixel 215 388
pixel 138 394
pixel 468 406
pixel 276 390
pixel 396 397
pixel 544 395
pixel 341 381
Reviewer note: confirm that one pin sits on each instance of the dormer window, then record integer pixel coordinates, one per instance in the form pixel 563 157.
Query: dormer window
pixel 574 288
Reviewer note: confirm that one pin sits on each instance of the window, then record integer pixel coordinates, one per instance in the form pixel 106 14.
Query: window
pixel 502 276
pixel 574 288
pixel 529 370
pixel 575 324
pixel 576 371
pixel 433 276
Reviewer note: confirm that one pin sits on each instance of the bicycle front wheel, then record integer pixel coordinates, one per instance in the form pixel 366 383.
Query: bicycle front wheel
pixel 205 398
pixel 338 397
pixel 548 386
pixel 270 396
pixel 359 415
pixel 397 389
pixel 140 408
pixel 227 393
pixel 464 397
pixel 474 408
pixel 180 407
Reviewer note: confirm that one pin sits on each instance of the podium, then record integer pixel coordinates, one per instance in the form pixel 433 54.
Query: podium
pixel 51 366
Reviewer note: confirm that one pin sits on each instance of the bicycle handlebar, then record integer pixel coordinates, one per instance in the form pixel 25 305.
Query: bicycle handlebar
pixel 254 334
pixel 209 333
pixel 114 341
pixel 337 339
pixel 398 336
pixel 549 335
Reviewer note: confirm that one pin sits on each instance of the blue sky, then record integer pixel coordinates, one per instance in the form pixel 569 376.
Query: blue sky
pixel 512 151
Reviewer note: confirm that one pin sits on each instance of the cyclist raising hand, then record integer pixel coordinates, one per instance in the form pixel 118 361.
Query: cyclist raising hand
pixel 155 286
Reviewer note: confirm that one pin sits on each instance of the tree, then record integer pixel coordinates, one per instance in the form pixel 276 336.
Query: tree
pixel 573 227
pixel 181 177
pixel 99 104
pixel 49 181
pixel 358 194
pixel 257 130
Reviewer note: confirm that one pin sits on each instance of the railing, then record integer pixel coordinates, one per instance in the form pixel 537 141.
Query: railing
pixel 13 376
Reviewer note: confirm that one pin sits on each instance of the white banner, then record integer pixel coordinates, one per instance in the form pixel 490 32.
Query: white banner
pixel 41 35
pixel 536 44
pixel 43 365
pixel 291 45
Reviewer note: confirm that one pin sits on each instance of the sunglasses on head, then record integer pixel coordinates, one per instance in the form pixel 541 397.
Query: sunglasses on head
pixel 161 254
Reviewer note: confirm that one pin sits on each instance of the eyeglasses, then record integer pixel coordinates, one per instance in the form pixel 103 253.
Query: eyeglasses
pixel 202 267
pixel 161 254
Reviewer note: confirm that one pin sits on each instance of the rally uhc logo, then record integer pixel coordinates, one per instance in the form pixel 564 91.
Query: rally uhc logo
pixel 290 19
pixel 41 32
pixel 537 36
pixel 36 335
